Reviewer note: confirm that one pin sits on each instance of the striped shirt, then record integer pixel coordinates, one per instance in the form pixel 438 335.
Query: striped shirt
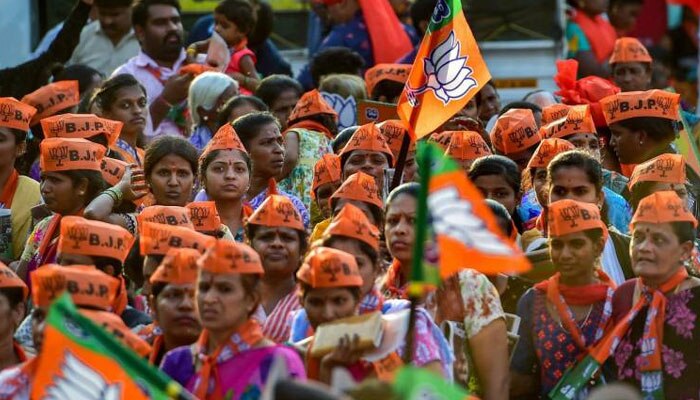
pixel 276 326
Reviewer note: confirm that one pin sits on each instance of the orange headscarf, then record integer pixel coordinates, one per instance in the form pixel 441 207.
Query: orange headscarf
pixel 353 223
pixel 547 150
pixel 61 154
pixel 651 103
pixel 326 170
pixel 361 187
pixel 52 98
pixel 578 119
pixel 277 211
pixel 204 216
pixel 8 279
pixel 367 137
pixel 386 72
pixel 179 267
pixel 467 145
pixel 83 126
pixel 327 268
pixel 514 131
pixel 15 114
pixel 94 238
pixel 629 49
pixel 569 216
pixel 227 257
pixel 668 168
pixel 662 207
pixel 589 90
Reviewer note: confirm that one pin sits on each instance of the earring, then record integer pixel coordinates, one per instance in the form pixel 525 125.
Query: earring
pixel 206 118
pixel 641 142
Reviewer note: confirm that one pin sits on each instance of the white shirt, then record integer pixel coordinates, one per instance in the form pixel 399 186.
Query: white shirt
pixel 611 266
pixel 152 76
pixel 96 50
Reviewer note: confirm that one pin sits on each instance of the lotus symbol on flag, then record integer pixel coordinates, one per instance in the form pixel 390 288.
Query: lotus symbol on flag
pixel 78 380
pixel 446 73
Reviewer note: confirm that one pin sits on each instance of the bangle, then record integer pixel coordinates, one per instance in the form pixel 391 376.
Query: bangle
pixel 115 194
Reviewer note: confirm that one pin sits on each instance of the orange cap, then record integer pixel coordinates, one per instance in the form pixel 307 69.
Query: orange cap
pixel 277 211
pixel 178 267
pixel 554 112
pixel 94 238
pixel 8 279
pixel 83 126
pixel 547 150
pixel 662 207
pixel 112 170
pixel 227 257
pixel 668 168
pixel 629 49
pixel 369 138
pixel 225 138
pixel 515 131
pixel 204 216
pixel 361 187
pixel 52 98
pixel 651 103
pixel 157 239
pixel 87 285
pixel 577 120
pixel 442 138
pixel 467 145
pixel 166 215
pixel 394 131
pixel 569 216
pixel 386 72
pixel 62 154
pixel 353 223
pixel 15 114
pixel 325 267
pixel 113 324
pixel 326 170
pixel 311 103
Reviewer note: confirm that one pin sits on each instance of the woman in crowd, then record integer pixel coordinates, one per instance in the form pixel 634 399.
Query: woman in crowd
pixel 207 94
pixel 260 134
pixel 653 341
pixel 666 172
pixel 326 181
pixel 562 317
pixel 368 152
pixel 465 147
pixel 19 193
pixel 276 232
pixel 67 187
pixel 172 301
pixel 224 173
pixel 231 356
pixel 575 175
pixel 311 126
pixel 488 102
pixel 280 93
pixel 13 298
pixel 122 98
pixel 328 297
pixel 590 36
pixel 170 166
pixel 498 178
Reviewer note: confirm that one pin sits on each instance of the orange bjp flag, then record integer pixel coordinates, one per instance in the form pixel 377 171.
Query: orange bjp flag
pixel 447 73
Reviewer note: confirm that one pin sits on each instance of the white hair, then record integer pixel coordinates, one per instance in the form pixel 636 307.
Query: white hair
pixel 205 90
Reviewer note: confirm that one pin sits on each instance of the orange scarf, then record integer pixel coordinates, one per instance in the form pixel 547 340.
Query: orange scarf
pixel 8 192
pixel 652 338
pixel 394 286
pixel 156 348
pixel 562 296
pixel 312 126
pixel 600 34
pixel 19 352
pixel 243 338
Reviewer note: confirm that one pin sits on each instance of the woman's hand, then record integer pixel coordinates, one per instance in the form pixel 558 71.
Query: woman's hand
pixel 133 184
pixel 346 353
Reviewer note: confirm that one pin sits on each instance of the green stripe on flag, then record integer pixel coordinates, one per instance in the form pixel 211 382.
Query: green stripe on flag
pixel 444 12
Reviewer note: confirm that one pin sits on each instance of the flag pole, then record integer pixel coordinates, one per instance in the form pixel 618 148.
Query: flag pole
pixel 416 284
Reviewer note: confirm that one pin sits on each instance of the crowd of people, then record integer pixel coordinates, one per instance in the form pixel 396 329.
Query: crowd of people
pixel 214 217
